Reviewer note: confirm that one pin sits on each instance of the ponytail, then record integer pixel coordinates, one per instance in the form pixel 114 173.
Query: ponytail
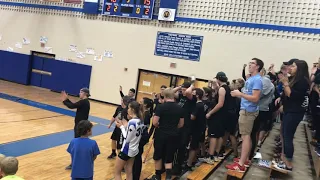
pixel 138 109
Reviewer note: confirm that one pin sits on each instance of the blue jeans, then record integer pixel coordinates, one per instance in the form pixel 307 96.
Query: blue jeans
pixel 82 178
pixel 289 126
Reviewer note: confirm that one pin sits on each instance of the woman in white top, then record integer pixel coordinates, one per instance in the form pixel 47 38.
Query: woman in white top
pixel 131 132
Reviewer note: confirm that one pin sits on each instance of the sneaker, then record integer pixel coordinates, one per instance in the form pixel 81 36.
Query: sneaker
pixel 264 163
pixel 209 161
pixel 188 168
pixel 282 166
pixel 221 156
pixel 203 159
pixel 236 167
pixel 246 164
pixel 69 167
pixel 276 161
pixel 112 155
pixel 155 177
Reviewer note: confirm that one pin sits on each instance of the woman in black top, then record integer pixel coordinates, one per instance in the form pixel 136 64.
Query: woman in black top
pixel 293 99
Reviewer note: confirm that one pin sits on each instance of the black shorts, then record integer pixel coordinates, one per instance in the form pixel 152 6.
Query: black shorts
pixel 264 119
pixel 116 134
pixel 164 147
pixel 123 156
pixel 196 139
pixel 203 136
pixel 231 122
pixel 216 127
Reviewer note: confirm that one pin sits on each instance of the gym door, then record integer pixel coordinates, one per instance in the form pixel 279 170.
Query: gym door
pixel 150 83
pixel 38 74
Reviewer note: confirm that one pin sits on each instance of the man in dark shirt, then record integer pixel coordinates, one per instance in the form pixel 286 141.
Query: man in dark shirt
pixel 167 119
pixel 82 106
pixel 187 101
pixel 131 93
pixel 198 118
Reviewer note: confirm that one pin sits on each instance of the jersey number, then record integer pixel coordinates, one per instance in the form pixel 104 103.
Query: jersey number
pixel 139 131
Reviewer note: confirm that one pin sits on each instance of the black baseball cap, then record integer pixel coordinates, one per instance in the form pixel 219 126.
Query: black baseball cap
pixel 186 85
pixel 221 74
pixel 86 90
pixel 132 90
pixel 290 62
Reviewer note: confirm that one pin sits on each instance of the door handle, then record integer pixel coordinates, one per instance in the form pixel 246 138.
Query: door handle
pixel 37 71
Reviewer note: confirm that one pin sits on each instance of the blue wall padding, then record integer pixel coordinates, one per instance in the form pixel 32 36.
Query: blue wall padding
pixel 14 67
pixel 67 76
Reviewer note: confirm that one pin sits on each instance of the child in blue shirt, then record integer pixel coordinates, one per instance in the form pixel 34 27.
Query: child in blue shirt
pixel 83 152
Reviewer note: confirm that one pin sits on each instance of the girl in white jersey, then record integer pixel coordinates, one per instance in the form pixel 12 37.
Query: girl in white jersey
pixel 131 132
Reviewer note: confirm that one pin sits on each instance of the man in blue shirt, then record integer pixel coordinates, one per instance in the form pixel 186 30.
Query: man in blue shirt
pixel 249 111
pixel 83 151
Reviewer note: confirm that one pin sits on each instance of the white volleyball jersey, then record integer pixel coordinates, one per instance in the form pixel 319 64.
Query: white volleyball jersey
pixel 132 135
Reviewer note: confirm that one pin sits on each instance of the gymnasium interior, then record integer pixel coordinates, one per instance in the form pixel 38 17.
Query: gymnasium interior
pixel 49 46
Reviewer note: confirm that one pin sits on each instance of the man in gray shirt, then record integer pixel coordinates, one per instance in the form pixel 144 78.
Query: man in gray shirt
pixel 265 115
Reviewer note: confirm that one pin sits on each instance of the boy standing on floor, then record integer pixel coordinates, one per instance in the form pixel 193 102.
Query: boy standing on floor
pixel 83 152
pixel 9 168
pixel 82 106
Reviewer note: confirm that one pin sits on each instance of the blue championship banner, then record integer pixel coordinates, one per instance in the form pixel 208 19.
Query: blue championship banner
pixel 168 10
pixel 181 46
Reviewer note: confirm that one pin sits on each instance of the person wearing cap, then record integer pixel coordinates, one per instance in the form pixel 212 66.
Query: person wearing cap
pixel 82 106
pixel 249 110
pixel 221 120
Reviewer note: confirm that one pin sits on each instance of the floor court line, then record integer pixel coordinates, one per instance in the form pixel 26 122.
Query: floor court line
pixel 26 146
pixel 33 119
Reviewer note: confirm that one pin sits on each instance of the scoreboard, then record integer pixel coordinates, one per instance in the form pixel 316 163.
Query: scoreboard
pixel 129 8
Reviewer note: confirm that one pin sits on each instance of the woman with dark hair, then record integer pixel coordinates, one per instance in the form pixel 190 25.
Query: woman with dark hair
pixel 293 98
pixel 132 132
pixel 147 114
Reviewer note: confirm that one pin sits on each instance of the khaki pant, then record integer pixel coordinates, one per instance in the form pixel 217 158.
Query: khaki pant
pixel 246 121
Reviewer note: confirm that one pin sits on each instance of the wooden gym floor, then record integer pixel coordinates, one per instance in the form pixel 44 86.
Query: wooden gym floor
pixel 36 127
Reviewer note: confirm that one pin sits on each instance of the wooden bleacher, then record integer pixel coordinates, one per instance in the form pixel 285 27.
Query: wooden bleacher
pixel 315 157
pixel 204 170
pixel 240 175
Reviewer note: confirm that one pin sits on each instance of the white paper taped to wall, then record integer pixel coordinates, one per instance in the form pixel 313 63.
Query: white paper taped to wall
pixel 0 37
pixel 81 55
pixel 10 49
pixel 90 51
pixel 107 54
pixel 73 48
pixel 146 83
pixel 18 45
pixel 48 49
pixel 98 58
pixel 43 39
pixel 25 41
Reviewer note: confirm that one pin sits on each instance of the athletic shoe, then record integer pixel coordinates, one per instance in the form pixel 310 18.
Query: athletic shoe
pixel 220 156
pixel 209 161
pixel 188 168
pixel 264 163
pixel 155 177
pixel 202 159
pixel 246 164
pixel 69 167
pixel 282 166
pixel 112 155
pixel 276 161
pixel 236 167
